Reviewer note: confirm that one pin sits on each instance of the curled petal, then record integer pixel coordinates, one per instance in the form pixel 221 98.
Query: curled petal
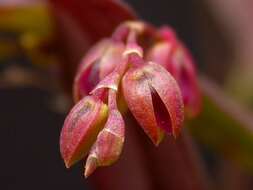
pixel 112 80
pixel 81 128
pixel 133 49
pixel 154 98
pixel 110 140
pixel 109 144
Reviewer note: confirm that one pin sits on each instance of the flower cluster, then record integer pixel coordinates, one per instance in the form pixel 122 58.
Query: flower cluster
pixel 144 69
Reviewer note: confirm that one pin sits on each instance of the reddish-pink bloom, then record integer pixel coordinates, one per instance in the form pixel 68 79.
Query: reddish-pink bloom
pixel 154 98
pixel 154 91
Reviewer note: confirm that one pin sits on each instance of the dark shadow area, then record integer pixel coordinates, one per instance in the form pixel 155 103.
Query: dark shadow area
pixel 30 156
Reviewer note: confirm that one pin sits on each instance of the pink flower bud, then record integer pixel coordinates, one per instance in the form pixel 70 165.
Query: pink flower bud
pixel 173 56
pixel 110 140
pixel 98 63
pixel 183 70
pixel 81 128
pixel 160 53
pixel 154 98
pixel 109 144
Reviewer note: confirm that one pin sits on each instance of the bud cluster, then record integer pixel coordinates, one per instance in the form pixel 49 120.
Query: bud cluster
pixel 148 69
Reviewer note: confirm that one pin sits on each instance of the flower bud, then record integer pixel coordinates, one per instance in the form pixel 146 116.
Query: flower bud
pixel 183 70
pixel 109 143
pixel 98 63
pixel 81 128
pixel 154 98
pixel 173 56
pixel 160 53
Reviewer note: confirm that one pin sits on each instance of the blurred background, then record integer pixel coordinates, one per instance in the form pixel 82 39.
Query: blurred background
pixel 34 102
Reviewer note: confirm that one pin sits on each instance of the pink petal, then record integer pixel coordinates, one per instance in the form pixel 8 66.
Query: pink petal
pixel 81 128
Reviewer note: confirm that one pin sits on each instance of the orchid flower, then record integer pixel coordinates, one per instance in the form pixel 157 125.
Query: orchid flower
pixel 147 69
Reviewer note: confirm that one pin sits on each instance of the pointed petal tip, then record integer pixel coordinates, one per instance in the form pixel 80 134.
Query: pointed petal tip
pixel 67 165
pixel 156 143
pixel 90 166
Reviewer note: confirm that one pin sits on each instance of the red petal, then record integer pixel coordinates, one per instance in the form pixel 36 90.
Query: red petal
pixel 81 128
pixel 139 100
pixel 110 140
pixel 169 92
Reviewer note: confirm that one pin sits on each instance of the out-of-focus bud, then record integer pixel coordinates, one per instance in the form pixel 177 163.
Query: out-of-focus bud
pixel 154 98
pixel 98 63
pixel 183 70
pixel 159 53
pixel 87 72
pixel 81 128
pixel 109 144
pixel 173 56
